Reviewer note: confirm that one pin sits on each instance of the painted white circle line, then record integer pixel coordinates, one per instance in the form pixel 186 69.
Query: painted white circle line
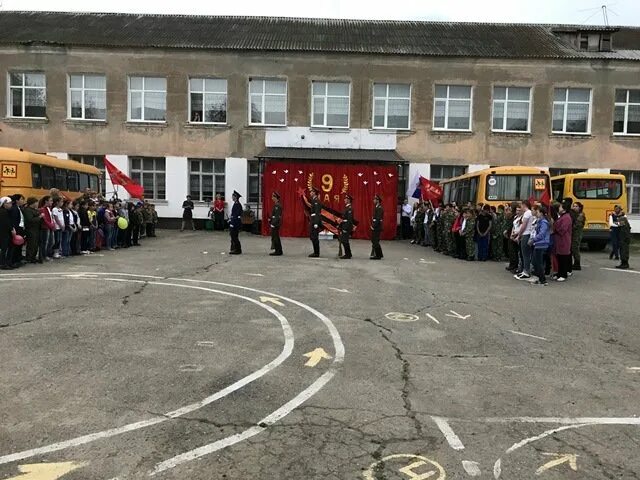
pixel 402 317
pixel 74 442
pixel 206 343
pixel 288 407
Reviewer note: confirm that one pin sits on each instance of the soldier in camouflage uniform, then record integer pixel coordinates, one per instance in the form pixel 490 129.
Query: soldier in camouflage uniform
pixel 468 234
pixel 625 240
pixel 449 244
pixel 497 227
pixel 440 229
pixel 433 230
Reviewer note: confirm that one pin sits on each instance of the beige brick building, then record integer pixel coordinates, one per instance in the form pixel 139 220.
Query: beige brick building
pixel 190 104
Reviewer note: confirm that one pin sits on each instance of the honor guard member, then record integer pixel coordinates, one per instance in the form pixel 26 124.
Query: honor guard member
pixel 274 222
pixel 315 222
pixel 376 228
pixel 625 240
pixel 235 222
pixel 346 227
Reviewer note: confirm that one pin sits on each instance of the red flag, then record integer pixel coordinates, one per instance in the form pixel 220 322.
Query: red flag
pixel 545 199
pixel 431 191
pixel 119 178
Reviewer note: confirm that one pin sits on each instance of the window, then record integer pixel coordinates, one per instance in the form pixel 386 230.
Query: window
pixel 87 97
pixel 605 42
pixel 36 179
pixel 73 181
pixel 206 179
pixel 633 190
pixel 48 177
pixel 95 161
pixel 61 179
pixel 572 110
pixel 445 172
pixel 626 117
pixel 597 188
pixel 515 187
pixel 253 182
pixel 147 99
pixel 208 100
pixel 330 104
pixel 452 109
pixel 268 102
pixel 150 173
pixel 511 109
pixel 391 105
pixel 584 41
pixel 28 95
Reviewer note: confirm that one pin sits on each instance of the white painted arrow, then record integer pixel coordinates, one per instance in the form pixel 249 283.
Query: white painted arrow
pixel 315 357
pixel 275 301
pixel 255 274
pixel 46 471
pixel 433 318
pixel 343 290
pixel 570 458
pixel 457 315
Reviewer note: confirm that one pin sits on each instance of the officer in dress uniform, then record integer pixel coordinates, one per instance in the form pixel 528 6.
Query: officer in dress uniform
pixel 625 240
pixel 376 228
pixel 346 227
pixel 274 222
pixel 315 222
pixel 235 222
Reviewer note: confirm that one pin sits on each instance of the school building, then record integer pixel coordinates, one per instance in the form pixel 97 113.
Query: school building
pixel 197 104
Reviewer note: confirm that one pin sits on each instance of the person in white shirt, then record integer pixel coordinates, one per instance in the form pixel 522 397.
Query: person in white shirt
pixel 405 220
pixel 523 238
pixel 58 220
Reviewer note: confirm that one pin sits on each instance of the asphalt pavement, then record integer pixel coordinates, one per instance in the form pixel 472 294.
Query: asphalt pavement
pixel 176 360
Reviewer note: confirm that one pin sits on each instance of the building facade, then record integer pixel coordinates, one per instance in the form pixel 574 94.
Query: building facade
pixel 184 109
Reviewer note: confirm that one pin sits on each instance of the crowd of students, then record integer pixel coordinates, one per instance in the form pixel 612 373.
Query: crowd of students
pixel 36 230
pixel 538 241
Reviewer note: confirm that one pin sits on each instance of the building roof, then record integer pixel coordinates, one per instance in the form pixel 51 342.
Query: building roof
pixel 331 154
pixel 299 35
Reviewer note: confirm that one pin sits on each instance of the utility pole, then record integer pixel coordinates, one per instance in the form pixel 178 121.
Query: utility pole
pixel 605 15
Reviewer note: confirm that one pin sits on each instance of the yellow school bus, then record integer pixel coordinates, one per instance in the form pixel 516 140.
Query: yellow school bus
pixel 34 175
pixel 599 193
pixel 497 186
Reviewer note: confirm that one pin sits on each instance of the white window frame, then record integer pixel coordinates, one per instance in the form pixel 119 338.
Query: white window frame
pixel 204 92
pixel 506 102
pixel 142 172
pixel 626 105
pixel 264 94
pixel 566 104
pixel 23 88
pixel 446 108
pixel 386 99
pixel 326 96
pixel 143 91
pixel 83 89
pixel 214 175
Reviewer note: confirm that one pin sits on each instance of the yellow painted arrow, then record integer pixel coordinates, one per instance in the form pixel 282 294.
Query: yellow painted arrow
pixel 561 458
pixel 315 357
pixel 46 471
pixel 275 301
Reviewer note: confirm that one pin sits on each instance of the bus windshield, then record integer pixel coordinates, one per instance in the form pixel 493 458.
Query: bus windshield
pixel 507 188
pixel 597 189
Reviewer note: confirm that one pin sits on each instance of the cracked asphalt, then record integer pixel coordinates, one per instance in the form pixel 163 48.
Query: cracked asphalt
pixel 114 361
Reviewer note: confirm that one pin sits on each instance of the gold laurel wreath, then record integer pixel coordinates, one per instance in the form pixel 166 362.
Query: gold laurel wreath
pixel 310 181
pixel 345 184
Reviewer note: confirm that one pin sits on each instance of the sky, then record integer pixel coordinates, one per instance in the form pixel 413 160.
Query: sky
pixel 588 12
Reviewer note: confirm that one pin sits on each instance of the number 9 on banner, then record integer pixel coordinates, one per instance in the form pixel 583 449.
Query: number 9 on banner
pixel 327 182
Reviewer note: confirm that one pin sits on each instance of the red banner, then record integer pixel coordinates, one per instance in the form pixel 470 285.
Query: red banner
pixel 119 178
pixel 292 180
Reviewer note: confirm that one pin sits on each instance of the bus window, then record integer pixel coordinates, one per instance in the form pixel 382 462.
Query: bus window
pixel 515 187
pixel 73 183
pixel 61 179
pixel 94 183
pixel 473 189
pixel 446 193
pixel 36 179
pixel 597 188
pixel 84 181
pixel 558 189
pixel 48 177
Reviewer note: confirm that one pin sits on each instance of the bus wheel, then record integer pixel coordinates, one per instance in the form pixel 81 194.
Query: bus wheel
pixel 597 245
